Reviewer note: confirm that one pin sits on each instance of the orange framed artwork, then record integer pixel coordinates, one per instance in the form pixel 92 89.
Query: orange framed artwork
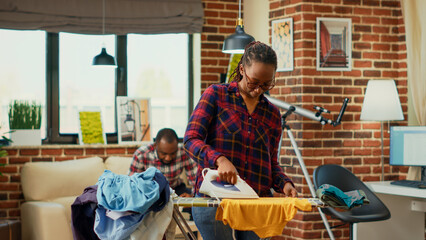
pixel 282 43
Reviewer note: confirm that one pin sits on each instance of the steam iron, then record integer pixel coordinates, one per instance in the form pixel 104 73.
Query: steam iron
pixel 210 186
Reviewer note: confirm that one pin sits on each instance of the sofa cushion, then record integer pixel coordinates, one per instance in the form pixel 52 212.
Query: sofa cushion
pixel 66 202
pixel 50 180
pixel 118 165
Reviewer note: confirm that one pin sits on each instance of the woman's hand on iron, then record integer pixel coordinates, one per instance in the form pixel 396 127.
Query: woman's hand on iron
pixel 289 190
pixel 226 170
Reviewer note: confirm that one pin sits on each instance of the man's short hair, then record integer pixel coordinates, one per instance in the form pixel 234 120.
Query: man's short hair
pixel 166 133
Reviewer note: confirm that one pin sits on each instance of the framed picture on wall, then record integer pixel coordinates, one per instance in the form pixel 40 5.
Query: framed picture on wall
pixel 282 43
pixel 134 120
pixel 334 44
pixel 91 130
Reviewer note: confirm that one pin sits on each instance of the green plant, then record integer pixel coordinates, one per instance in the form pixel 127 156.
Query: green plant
pixel 24 115
pixel 4 141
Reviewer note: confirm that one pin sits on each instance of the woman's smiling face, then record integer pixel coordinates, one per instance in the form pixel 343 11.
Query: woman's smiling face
pixel 257 78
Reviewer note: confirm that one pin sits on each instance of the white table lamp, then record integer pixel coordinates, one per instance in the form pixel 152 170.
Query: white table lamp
pixel 381 103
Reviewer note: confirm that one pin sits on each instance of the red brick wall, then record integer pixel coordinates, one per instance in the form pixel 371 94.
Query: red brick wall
pixel 219 21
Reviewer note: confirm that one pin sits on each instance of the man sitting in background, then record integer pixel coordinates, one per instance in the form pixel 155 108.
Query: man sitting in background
pixel 165 155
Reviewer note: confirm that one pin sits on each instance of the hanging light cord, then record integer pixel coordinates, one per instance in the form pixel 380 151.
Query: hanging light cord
pixel 239 10
pixel 103 17
pixel 239 20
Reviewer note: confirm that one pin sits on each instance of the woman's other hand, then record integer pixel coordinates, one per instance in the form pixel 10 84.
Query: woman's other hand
pixel 289 190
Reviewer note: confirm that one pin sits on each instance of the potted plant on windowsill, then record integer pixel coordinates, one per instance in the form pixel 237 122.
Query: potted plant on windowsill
pixel 4 141
pixel 24 123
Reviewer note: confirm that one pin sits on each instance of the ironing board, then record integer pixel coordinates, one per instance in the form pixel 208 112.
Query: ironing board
pixel 208 202
pixel 190 202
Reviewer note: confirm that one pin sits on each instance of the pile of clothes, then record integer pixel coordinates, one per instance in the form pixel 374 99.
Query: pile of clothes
pixel 336 198
pixel 124 207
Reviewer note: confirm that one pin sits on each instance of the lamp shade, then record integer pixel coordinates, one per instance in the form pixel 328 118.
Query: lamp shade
pixel 235 43
pixel 381 102
pixel 104 59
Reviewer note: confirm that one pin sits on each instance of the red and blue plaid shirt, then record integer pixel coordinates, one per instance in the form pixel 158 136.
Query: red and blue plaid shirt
pixel 146 156
pixel 221 126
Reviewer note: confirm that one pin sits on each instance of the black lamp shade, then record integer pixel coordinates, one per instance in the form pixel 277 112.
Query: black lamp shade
pixel 236 42
pixel 104 59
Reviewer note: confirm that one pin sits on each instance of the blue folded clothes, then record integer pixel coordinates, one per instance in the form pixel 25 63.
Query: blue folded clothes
pixel 135 193
pixel 130 198
pixel 119 229
pixel 334 197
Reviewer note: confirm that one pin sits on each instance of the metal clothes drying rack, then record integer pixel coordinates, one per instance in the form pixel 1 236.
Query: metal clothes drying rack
pixel 190 202
pixel 208 202
pixel 182 224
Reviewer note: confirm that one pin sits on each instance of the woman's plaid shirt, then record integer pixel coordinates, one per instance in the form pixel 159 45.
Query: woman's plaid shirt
pixel 221 126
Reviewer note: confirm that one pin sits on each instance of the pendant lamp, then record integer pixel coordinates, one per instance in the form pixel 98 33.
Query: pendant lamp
pixel 103 59
pixel 235 43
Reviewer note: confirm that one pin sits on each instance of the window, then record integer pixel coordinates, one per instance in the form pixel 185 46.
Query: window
pixel 56 70
pixel 84 87
pixel 158 69
pixel 22 71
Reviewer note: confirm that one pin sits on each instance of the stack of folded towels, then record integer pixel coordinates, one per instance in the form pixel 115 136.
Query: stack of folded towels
pixel 336 198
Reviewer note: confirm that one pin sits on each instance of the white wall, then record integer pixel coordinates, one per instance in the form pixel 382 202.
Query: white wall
pixel 256 19
pixel 197 67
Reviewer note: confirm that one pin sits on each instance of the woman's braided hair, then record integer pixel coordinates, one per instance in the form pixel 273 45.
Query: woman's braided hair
pixel 254 51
